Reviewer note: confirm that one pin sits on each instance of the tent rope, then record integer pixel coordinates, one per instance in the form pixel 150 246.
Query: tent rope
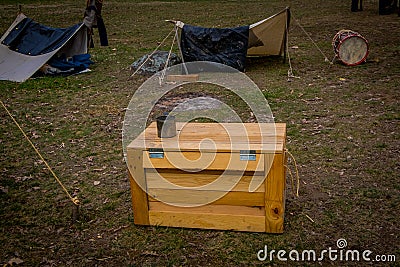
pixel 161 79
pixel 178 41
pixel 73 199
pixel 309 37
pixel 152 53
pixel 291 175
pixel 290 71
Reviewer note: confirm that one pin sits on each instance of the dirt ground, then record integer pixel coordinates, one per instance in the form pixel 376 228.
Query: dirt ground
pixel 342 128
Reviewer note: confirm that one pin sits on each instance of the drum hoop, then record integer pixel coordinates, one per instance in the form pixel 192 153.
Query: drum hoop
pixel 341 32
pixel 336 38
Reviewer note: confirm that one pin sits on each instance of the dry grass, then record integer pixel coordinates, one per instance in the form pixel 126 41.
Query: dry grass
pixel 343 128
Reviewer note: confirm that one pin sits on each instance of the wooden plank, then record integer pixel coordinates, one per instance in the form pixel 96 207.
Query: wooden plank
pixel 223 181
pixel 234 198
pixel 203 161
pixel 277 129
pixel 222 147
pixel 274 196
pixel 186 197
pixel 183 78
pixel 215 209
pixel 251 130
pixel 208 221
pixel 138 185
pixel 263 137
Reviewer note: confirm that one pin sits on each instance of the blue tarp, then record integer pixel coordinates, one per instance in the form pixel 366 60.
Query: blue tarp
pixel 32 38
pixel 27 46
pixel 226 46
pixel 65 66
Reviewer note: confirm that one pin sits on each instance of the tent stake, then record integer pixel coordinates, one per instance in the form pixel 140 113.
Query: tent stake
pixel 75 213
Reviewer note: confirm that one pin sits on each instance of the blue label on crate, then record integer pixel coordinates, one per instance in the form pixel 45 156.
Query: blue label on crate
pixel 248 155
pixel 156 153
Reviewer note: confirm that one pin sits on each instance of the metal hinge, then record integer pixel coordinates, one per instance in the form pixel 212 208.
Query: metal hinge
pixel 156 153
pixel 249 155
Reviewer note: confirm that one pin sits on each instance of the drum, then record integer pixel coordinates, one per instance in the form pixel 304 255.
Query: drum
pixel 350 47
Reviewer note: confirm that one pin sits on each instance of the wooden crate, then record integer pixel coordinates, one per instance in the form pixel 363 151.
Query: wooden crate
pixel 171 178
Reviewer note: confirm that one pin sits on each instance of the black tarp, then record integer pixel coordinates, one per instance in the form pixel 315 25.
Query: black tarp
pixel 32 38
pixel 226 46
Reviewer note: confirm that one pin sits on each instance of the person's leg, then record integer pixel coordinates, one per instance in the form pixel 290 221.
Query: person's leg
pixel 354 5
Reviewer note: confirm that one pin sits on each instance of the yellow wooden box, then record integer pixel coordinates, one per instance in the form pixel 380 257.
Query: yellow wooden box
pixel 201 177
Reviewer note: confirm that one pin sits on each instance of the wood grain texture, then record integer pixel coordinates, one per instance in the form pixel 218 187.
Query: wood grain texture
pixel 226 137
pixel 274 196
pixel 183 78
pixel 249 223
pixel 217 209
pixel 138 185
pixel 194 160
pixel 231 198
pixel 204 180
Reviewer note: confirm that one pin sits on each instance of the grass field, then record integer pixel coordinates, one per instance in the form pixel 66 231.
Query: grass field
pixel 343 129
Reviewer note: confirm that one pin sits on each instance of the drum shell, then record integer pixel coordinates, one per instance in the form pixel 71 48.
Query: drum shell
pixel 350 47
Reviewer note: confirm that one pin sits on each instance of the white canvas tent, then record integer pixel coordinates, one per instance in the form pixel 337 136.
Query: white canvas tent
pixel 18 67
pixel 269 36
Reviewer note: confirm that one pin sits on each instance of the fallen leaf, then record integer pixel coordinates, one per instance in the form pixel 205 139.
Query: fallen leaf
pixel 15 260
pixel 149 253
pixel 3 189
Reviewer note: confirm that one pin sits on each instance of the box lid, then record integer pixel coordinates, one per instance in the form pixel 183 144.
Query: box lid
pixel 216 137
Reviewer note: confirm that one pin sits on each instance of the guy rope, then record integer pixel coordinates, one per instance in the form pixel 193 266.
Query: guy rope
pixel 74 200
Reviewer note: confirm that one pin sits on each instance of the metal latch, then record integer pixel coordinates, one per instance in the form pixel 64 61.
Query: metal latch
pixel 156 153
pixel 249 155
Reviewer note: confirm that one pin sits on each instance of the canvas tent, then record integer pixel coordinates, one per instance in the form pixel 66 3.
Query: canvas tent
pixel 27 45
pixel 268 37
pixel 231 46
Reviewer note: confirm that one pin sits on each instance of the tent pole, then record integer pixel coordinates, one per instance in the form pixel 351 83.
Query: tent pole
pixel 285 45
pixel 286 41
